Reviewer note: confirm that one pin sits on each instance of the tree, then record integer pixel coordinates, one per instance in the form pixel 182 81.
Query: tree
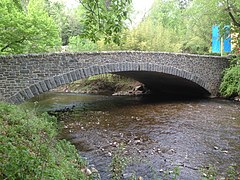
pixel 167 25
pixel 169 13
pixel 151 36
pixel 233 10
pixel 67 20
pixel 91 20
pixel 224 12
pixel 192 20
pixel 104 18
pixel 26 28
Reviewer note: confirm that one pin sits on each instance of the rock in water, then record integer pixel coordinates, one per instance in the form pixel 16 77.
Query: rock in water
pixel 86 171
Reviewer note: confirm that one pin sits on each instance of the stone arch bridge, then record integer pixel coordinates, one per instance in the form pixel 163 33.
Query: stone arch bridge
pixel 25 76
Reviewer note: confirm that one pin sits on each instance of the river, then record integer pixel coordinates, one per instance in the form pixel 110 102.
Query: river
pixel 157 134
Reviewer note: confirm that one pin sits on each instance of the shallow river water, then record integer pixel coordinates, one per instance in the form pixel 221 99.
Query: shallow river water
pixel 157 134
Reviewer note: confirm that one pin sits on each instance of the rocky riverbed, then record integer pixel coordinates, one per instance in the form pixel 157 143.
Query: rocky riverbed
pixel 158 134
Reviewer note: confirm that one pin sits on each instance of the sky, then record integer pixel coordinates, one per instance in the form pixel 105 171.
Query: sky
pixel 141 7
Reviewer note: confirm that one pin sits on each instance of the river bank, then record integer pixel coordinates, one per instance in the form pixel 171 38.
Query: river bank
pixel 106 85
pixel 30 148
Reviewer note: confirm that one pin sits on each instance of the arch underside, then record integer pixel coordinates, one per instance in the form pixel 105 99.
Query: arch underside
pixel 157 78
pixel 166 84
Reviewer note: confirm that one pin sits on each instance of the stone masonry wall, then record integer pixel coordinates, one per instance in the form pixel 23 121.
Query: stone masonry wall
pixel 19 73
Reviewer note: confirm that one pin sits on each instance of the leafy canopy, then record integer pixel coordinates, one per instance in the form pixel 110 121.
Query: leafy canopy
pixel 104 18
pixel 26 28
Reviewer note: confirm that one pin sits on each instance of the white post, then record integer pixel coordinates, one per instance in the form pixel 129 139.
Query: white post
pixel 221 46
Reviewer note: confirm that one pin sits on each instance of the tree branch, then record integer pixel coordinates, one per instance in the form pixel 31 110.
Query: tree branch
pixel 99 20
pixel 235 22
pixel 87 8
pixel 8 45
pixel 233 19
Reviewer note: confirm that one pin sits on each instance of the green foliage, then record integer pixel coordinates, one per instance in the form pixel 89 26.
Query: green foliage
pixel 176 173
pixel 171 25
pixel 181 26
pixel 188 25
pixel 232 173
pixel 196 45
pixel 105 19
pixel 76 44
pixel 210 173
pixel 173 174
pixel 29 148
pixel 150 36
pixel 230 85
pixel 67 20
pixel 204 14
pixel 169 14
pixel 29 30
pixel 118 164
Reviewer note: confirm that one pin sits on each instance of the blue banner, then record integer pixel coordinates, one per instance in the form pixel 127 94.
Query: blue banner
pixel 216 42
pixel 227 39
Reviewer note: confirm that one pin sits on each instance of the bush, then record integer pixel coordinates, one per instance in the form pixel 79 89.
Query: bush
pixel 29 148
pixel 230 85
pixel 76 44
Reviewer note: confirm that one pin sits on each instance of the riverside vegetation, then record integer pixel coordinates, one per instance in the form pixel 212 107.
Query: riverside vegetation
pixel 230 86
pixel 30 149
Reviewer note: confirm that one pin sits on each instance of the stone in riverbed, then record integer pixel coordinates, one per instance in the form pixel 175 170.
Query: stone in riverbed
pixel 127 175
pixel 86 171
pixel 237 98
pixel 94 170
pixel 137 91
pixel 139 88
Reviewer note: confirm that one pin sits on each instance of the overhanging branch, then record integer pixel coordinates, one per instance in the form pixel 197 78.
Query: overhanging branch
pixel 229 9
pixel 8 45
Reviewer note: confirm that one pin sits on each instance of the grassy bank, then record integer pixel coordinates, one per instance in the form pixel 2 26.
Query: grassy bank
pixel 29 148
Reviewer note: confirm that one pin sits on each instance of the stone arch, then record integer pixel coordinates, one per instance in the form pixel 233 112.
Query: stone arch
pixel 73 75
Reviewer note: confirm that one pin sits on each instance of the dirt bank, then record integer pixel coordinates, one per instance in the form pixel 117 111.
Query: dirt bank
pixel 105 85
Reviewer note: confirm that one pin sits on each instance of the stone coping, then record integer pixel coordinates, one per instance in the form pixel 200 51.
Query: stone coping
pixel 109 53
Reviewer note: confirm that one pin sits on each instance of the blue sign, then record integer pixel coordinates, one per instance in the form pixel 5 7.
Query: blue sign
pixel 216 42
pixel 227 39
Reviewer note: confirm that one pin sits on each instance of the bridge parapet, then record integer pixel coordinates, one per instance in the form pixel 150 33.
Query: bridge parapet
pixel 24 76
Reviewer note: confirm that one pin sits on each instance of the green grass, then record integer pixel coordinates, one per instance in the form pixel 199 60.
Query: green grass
pixel 29 148
pixel 118 164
